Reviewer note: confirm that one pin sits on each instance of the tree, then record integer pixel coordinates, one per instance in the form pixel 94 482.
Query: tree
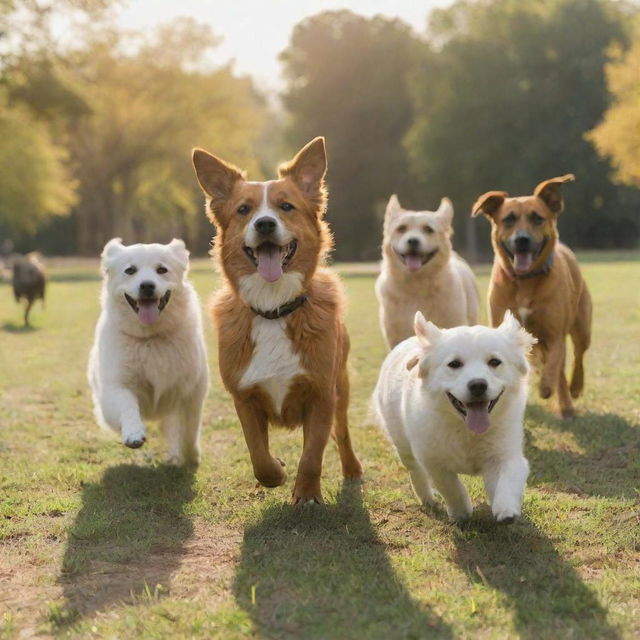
pixel 346 80
pixel 34 182
pixel 503 98
pixel 617 137
pixel 146 111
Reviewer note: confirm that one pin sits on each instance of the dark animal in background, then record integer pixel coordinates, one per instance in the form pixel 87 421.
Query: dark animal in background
pixel 29 281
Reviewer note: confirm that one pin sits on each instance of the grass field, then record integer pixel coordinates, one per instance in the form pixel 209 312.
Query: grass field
pixel 98 541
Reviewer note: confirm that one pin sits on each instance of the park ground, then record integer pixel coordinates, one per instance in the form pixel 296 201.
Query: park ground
pixel 98 541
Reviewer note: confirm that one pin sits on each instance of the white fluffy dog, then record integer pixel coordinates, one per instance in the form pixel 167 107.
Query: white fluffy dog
pixel 149 357
pixel 421 272
pixel 452 401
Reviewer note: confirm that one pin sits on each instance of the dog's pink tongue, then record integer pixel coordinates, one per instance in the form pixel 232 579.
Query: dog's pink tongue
pixel 477 418
pixel 412 262
pixel 522 262
pixel 148 312
pixel 269 264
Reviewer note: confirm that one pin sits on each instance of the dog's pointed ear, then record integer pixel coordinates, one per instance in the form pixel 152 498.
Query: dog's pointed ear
pixel 549 192
pixel 393 207
pixel 519 337
pixel 445 211
pixel 426 332
pixel 216 177
pixel 180 251
pixel 111 251
pixel 489 203
pixel 308 168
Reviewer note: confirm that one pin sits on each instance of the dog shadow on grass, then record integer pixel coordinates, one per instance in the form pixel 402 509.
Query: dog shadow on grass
pixel 548 597
pixel 322 572
pixel 126 540
pixel 609 464
pixel 12 327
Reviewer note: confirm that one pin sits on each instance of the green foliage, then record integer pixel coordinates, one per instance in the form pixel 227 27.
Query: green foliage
pixel 347 81
pixel 503 99
pixel 34 181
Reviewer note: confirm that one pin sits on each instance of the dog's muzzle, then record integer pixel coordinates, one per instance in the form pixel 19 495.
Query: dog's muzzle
pixel 147 307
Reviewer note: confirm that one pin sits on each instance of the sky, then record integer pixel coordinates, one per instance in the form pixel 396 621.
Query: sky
pixel 255 31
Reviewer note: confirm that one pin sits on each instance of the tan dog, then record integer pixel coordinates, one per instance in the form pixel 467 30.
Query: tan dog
pixel 421 272
pixel 282 342
pixel 538 278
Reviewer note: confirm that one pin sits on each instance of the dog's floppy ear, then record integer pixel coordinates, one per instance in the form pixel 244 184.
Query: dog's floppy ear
pixel 111 251
pixel 445 211
pixel 519 338
pixel 393 207
pixel 308 167
pixel 489 203
pixel 549 191
pixel 216 177
pixel 179 250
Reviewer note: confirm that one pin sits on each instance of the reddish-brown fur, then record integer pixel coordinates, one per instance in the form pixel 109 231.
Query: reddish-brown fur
pixel 320 395
pixel 557 301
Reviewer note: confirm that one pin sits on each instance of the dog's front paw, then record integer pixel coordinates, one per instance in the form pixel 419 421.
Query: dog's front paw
pixel 545 391
pixel 506 514
pixel 134 438
pixel 307 492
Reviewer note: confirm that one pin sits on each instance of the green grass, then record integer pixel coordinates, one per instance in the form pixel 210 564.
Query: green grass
pixel 100 541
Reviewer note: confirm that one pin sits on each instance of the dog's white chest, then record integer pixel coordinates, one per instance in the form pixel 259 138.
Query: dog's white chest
pixel 273 363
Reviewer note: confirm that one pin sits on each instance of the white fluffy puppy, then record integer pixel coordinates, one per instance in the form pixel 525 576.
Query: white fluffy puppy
pixel 149 359
pixel 421 272
pixel 452 401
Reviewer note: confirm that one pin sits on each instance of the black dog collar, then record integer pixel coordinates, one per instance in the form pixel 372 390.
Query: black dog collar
pixel 283 310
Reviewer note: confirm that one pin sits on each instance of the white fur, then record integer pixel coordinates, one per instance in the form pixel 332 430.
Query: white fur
pixel 273 363
pixel 157 371
pixel 431 437
pixel 265 296
pixel 443 289
pixel 281 235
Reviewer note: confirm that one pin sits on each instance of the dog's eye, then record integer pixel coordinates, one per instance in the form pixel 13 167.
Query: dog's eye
pixel 402 228
pixel 130 270
pixel 161 270
pixel 536 218
pixel 494 362
pixel 287 206
pixel 509 220
pixel 454 364
pixel 427 229
pixel 243 209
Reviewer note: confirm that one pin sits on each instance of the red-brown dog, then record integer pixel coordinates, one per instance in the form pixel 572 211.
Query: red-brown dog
pixel 282 343
pixel 538 279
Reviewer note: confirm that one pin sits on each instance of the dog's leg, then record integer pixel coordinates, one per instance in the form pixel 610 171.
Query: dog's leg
pixel 181 428
pixel 554 360
pixel 27 311
pixel 419 479
pixel 351 468
pixel 505 485
pixel 564 398
pixel 268 471
pixel 121 412
pixel 316 428
pixel 456 498
pixel 581 337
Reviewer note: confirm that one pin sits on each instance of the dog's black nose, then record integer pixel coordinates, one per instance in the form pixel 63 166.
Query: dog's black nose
pixel 265 226
pixel 478 387
pixel 522 243
pixel 147 289
pixel 413 243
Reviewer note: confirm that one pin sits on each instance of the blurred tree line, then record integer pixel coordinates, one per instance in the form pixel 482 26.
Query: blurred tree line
pixel 496 94
pixel 96 128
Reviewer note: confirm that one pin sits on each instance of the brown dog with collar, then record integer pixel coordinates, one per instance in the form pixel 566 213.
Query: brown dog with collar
pixel 537 278
pixel 282 341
